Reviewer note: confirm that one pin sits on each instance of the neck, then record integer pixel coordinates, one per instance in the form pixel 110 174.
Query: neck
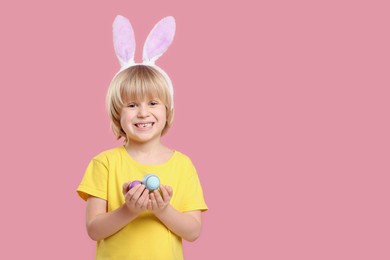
pixel 149 148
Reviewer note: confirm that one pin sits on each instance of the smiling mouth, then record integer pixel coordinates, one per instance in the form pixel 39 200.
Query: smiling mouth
pixel 143 125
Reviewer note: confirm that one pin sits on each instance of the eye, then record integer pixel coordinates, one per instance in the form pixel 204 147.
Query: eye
pixel 153 103
pixel 132 105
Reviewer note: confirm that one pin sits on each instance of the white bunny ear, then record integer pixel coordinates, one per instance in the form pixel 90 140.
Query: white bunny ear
pixel 159 39
pixel 124 41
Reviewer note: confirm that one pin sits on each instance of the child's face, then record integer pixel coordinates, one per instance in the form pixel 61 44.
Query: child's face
pixel 144 120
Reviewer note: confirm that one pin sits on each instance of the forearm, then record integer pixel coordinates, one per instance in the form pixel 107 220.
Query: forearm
pixel 107 224
pixel 182 224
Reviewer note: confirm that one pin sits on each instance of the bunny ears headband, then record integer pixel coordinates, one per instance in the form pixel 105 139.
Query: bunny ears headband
pixel 155 45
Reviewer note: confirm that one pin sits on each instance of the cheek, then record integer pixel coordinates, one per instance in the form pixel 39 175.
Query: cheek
pixel 124 119
pixel 163 116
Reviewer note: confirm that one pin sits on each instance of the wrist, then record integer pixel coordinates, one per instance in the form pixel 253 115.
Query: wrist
pixel 160 213
pixel 126 211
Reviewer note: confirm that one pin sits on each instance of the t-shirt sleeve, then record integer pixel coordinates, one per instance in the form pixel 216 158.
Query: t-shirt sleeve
pixel 94 182
pixel 193 198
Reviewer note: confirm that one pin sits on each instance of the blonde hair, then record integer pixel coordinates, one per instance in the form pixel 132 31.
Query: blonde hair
pixel 136 83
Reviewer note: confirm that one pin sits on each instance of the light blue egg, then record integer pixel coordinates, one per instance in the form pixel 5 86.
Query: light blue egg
pixel 151 182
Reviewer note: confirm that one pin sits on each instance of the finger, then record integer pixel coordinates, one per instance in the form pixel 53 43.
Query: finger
pixel 134 189
pixel 161 189
pixel 153 201
pixel 149 206
pixel 159 200
pixel 127 198
pixel 169 190
pixel 125 187
pixel 136 192
pixel 164 193
pixel 142 201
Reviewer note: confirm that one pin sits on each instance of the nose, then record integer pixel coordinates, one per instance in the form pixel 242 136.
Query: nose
pixel 143 111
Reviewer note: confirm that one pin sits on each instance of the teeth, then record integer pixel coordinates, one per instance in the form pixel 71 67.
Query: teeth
pixel 144 125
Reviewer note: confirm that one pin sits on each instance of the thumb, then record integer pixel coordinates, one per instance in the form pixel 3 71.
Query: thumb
pixel 125 187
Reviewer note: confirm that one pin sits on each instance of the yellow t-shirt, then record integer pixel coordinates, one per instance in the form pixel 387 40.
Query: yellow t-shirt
pixel 145 237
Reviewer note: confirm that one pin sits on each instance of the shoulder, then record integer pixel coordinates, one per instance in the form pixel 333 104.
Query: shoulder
pixel 184 161
pixel 182 157
pixel 108 155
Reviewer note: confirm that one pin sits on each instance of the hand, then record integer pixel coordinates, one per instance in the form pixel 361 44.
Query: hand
pixel 159 201
pixel 137 198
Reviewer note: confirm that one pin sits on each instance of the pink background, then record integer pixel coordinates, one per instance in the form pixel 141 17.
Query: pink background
pixel 282 105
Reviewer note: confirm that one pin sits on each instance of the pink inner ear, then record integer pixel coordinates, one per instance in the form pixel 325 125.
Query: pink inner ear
pixel 159 39
pixel 124 42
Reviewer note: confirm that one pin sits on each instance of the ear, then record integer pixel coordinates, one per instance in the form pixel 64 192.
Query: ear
pixel 124 41
pixel 159 39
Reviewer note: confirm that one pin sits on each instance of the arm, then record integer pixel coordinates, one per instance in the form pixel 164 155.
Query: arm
pixel 184 224
pixel 102 224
